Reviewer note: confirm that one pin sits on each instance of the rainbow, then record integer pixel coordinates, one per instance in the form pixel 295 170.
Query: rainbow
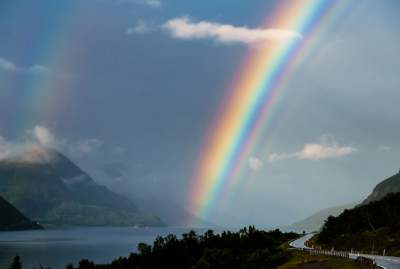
pixel 45 93
pixel 246 111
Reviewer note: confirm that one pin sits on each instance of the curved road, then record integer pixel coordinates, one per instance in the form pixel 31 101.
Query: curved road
pixel 384 261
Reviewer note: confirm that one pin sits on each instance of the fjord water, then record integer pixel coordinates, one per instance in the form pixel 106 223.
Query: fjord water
pixel 57 248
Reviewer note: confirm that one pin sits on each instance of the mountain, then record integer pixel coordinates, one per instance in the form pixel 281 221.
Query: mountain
pixel 389 185
pixel 317 220
pixel 12 219
pixel 370 226
pixel 46 186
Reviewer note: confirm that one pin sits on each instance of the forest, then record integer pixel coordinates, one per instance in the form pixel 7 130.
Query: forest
pixel 374 227
pixel 247 248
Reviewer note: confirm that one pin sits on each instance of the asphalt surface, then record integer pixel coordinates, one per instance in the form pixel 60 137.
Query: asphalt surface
pixel 384 261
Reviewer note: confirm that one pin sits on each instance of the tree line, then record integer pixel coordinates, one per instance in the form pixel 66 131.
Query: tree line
pixel 248 248
pixel 371 227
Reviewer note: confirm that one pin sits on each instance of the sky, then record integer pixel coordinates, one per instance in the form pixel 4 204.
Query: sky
pixel 128 89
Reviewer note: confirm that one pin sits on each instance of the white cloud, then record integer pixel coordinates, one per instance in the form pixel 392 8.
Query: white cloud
pixel 35 154
pixel 27 151
pixel 141 27
pixel 153 3
pixel 281 156
pixel 149 3
pixel 327 148
pixel 184 28
pixel 384 148
pixel 38 139
pixel 7 65
pixel 85 147
pixel 44 136
pixel 119 150
pixel 320 152
pixel 255 163
pixel 37 69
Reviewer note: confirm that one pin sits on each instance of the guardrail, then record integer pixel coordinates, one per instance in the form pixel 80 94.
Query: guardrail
pixel 366 262
pixel 340 254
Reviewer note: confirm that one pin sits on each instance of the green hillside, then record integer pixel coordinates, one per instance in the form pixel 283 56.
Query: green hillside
pixel 374 226
pixel 49 188
pixel 12 219
pixel 390 185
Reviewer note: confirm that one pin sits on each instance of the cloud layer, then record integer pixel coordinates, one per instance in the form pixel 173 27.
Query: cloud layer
pixel 184 28
pixel 255 163
pixel 39 137
pixel 85 147
pixel 316 151
pixel 9 66
pixel 140 27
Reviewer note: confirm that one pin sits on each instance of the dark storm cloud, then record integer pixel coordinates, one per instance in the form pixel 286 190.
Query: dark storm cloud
pixel 154 98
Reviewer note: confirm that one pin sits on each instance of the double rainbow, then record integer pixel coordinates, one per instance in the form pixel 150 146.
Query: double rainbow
pixel 244 115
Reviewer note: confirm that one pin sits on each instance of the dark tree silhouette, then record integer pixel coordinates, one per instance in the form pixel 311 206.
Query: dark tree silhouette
pixel 372 226
pixel 247 248
pixel 16 263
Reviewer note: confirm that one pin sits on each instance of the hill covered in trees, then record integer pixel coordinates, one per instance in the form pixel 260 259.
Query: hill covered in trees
pixel 12 219
pixel 371 227
pixel 48 187
pixel 248 248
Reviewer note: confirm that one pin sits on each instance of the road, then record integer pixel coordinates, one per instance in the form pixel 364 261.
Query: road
pixel 384 261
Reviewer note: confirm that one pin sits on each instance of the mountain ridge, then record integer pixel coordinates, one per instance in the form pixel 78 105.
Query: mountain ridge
pixel 48 187
pixel 380 191
pixel 315 221
pixel 375 220
pixel 377 223
pixel 385 187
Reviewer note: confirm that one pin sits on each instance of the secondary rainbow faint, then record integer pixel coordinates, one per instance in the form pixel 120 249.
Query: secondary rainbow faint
pixel 43 75
pixel 247 108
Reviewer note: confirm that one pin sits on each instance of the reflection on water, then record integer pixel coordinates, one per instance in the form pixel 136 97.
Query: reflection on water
pixel 57 248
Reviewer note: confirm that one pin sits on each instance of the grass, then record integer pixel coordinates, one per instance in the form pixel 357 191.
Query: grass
pixel 302 260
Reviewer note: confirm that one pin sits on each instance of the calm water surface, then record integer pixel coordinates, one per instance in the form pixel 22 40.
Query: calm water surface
pixel 57 248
